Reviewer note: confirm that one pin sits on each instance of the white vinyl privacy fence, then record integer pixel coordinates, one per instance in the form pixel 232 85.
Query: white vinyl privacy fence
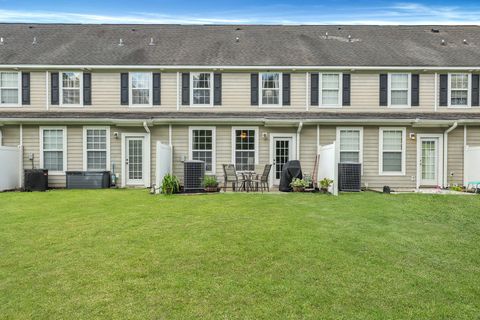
pixel 163 162
pixel 11 168
pixel 328 164
pixel 472 164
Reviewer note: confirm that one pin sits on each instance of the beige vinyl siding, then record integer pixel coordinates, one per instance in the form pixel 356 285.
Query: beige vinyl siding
pixel 455 157
pixel 236 91
pixel 75 148
pixel 10 136
pixel 364 92
pixel 308 148
pixel 180 149
pixel 473 136
pixel 105 90
pixel 169 91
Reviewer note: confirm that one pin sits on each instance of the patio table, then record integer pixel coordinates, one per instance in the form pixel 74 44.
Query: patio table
pixel 248 176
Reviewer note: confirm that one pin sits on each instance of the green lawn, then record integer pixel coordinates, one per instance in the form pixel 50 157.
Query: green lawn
pixel 127 254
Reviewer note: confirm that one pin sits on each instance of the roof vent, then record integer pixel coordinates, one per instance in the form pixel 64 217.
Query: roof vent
pixel 120 43
pixel 151 42
pixel 326 35
pixel 465 41
pixel 34 40
pixel 435 30
pixel 443 42
pixel 349 38
pixel 1 41
pixel 237 39
pixel 238 29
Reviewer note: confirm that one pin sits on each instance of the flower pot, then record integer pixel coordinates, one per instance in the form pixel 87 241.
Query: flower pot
pixel 211 189
pixel 298 189
pixel 324 190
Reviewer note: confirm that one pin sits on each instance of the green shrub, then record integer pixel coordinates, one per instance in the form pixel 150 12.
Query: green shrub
pixel 299 183
pixel 210 181
pixel 170 184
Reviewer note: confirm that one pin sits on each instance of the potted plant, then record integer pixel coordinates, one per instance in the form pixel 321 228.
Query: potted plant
pixel 210 184
pixel 325 184
pixel 170 184
pixel 298 185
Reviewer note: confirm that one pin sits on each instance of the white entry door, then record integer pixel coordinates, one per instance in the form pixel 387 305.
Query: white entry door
pixel 134 161
pixel 282 151
pixel 429 161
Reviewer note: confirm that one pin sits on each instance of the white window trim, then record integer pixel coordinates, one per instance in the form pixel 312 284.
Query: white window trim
pixel 214 143
pixel 65 148
pixel 320 91
pixel 150 93
pixel 19 101
pixel 60 86
pixel 85 164
pixel 469 91
pixel 197 105
pixel 360 155
pixel 280 91
pixel 257 138
pixel 380 152
pixel 409 91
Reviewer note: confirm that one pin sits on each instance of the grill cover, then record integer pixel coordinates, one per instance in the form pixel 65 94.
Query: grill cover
pixel 290 170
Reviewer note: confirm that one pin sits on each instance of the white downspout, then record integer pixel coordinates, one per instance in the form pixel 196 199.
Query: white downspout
pixel 299 129
pixel 145 126
pixel 465 146
pixel 445 152
pixel 171 147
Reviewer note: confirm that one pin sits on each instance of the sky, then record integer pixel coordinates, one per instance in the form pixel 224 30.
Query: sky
pixel 242 12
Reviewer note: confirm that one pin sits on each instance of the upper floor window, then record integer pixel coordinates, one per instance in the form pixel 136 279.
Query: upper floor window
pixel 202 146
pixel 459 88
pixel 71 88
pixel 9 88
pixel 350 141
pixel 270 88
pixel 202 88
pixel 330 84
pixel 53 145
pixel 399 89
pixel 141 88
pixel 392 151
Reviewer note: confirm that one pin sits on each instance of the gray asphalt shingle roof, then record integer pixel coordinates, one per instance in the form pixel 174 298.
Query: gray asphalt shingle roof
pixel 240 115
pixel 216 45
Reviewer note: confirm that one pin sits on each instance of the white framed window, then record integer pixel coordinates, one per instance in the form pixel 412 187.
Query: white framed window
pixel 141 88
pixel 245 148
pixel 71 93
pixel 392 151
pixel 330 93
pixel 459 90
pixel 96 148
pixel 10 93
pixel 270 89
pixel 53 149
pixel 202 89
pixel 202 142
pixel 350 141
pixel 399 85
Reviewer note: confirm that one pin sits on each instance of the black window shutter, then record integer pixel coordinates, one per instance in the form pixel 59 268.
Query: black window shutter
pixel 185 88
pixel 314 89
pixel 444 90
pixel 54 90
pixel 383 90
pixel 254 89
pixel 25 88
pixel 87 89
pixel 124 89
pixel 217 89
pixel 475 89
pixel 157 79
pixel 415 98
pixel 286 89
pixel 346 89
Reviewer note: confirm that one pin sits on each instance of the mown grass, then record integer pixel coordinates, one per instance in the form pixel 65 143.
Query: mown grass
pixel 126 254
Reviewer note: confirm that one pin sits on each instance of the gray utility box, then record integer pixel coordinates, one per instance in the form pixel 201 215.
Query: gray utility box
pixel 88 179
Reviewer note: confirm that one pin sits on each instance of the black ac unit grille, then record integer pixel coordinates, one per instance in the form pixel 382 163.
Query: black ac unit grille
pixel 36 179
pixel 349 177
pixel 193 173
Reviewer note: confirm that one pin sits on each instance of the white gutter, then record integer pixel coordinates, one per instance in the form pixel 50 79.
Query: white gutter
pixel 145 126
pixel 299 129
pixel 251 67
pixel 445 153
